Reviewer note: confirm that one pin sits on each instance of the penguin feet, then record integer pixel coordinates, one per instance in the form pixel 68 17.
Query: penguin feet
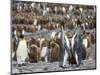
pixel 19 65
pixel 24 64
pixel 62 66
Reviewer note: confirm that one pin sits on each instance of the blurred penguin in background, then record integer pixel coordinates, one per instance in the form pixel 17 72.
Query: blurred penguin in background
pixel 22 51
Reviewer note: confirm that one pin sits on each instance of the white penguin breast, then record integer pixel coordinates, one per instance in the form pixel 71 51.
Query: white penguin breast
pixel 44 52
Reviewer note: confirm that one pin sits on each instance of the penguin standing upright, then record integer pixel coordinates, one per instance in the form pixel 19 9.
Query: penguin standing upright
pixel 64 49
pixel 22 51
pixel 77 47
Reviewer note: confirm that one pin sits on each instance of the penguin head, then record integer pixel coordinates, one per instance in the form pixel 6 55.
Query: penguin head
pixel 62 27
pixel 21 37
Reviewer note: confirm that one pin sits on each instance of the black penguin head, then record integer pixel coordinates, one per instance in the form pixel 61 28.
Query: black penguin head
pixel 21 36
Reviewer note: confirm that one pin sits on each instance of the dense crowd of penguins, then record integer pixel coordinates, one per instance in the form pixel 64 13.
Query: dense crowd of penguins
pixel 32 17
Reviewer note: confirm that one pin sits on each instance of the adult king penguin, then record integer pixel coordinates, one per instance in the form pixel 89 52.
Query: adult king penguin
pixel 64 49
pixel 22 51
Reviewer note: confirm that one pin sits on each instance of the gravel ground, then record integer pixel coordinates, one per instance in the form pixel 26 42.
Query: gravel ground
pixel 49 67
pixel 54 66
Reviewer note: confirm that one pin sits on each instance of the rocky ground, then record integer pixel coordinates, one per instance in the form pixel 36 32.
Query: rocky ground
pixel 49 67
